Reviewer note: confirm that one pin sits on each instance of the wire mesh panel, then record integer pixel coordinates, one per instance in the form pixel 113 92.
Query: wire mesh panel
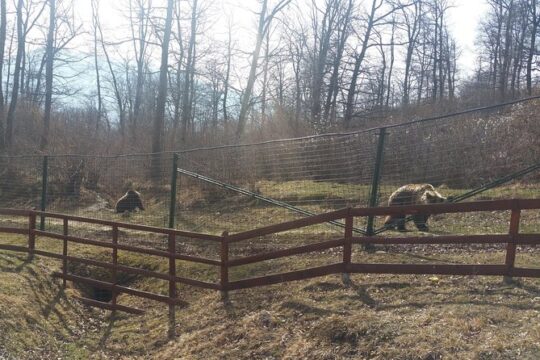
pixel 260 184
pixel 239 187
pixel 463 153
pixel 20 186
pixel 91 187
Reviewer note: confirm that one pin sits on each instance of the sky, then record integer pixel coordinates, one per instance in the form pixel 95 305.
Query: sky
pixel 465 17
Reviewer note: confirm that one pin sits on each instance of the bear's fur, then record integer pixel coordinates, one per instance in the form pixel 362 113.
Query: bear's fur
pixel 129 202
pixel 412 194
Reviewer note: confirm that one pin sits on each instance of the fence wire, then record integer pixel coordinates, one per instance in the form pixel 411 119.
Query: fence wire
pixel 312 174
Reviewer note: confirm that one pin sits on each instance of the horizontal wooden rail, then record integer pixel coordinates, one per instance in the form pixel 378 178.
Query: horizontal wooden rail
pixel 287 252
pixel 131 248
pixel 446 239
pixel 493 205
pixel 108 306
pixel 15 212
pixel 289 225
pixel 429 269
pixel 11 230
pixel 132 270
pixel 121 225
pixel 123 289
pixel 288 276
pixel 508 269
pixel 16 248
pixel 447 208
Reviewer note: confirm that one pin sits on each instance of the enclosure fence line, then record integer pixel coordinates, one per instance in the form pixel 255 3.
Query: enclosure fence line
pixel 368 165
pixel 357 132
pixel 347 266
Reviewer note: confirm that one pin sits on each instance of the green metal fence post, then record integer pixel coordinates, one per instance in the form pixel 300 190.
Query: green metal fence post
pixel 376 178
pixel 44 182
pixel 174 178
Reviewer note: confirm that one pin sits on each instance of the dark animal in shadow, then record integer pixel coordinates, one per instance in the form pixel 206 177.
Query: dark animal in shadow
pixel 129 202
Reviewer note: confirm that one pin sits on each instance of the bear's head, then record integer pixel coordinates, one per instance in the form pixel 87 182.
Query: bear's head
pixel 134 198
pixel 433 197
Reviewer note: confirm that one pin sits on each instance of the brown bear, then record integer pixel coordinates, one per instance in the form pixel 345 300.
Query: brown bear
pixel 129 202
pixel 412 194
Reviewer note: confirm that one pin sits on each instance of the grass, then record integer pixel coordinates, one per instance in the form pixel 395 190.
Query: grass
pixel 376 317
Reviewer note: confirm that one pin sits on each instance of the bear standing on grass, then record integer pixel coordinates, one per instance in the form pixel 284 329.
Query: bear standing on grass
pixel 412 194
pixel 129 202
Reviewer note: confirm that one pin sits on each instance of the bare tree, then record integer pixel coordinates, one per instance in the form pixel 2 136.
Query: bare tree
pixel 159 119
pixel 3 26
pixel 322 43
pixel 265 18
pixel 49 75
pixel 16 75
pixel 95 7
pixel 189 73
pixel 176 90
pixel 412 20
pixel 119 97
pixel 535 20
pixel 139 24
pixel 359 57
pixel 227 78
pixel 344 30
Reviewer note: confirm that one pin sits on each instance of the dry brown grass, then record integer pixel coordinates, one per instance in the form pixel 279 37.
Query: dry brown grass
pixel 377 317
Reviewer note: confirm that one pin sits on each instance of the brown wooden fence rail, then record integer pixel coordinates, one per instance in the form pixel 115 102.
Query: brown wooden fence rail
pixel 346 242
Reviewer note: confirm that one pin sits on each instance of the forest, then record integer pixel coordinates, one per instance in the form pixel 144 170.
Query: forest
pixel 141 76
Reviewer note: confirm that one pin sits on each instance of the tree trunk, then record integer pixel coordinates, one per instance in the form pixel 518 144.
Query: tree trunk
pixel 96 65
pixel 503 78
pixel 189 73
pixel 391 69
pixel 359 58
pixel 331 97
pixel 226 83
pixel 16 76
pixel 264 23
pixel 532 47
pixel 159 120
pixel 246 98
pixel 265 78
pixel 49 76
pixel 3 25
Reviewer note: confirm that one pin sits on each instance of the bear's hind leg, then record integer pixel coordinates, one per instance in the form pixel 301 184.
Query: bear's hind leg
pixel 420 221
pixel 400 221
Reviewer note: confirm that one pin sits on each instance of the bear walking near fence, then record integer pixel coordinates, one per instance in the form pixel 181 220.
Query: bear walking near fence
pixel 412 194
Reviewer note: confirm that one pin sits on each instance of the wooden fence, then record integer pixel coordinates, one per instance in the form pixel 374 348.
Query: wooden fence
pixel 512 239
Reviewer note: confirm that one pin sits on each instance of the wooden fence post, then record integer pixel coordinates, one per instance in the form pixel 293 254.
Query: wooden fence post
pixel 44 184
pixel 31 234
pixel 174 181
pixel 225 267
pixel 115 263
pixel 64 253
pixel 347 248
pixel 172 285
pixel 511 246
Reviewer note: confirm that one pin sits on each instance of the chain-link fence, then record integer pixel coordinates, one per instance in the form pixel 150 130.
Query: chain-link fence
pixel 243 186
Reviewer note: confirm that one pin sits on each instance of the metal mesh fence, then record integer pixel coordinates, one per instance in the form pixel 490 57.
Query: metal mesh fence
pixel 240 187
pixel 309 175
